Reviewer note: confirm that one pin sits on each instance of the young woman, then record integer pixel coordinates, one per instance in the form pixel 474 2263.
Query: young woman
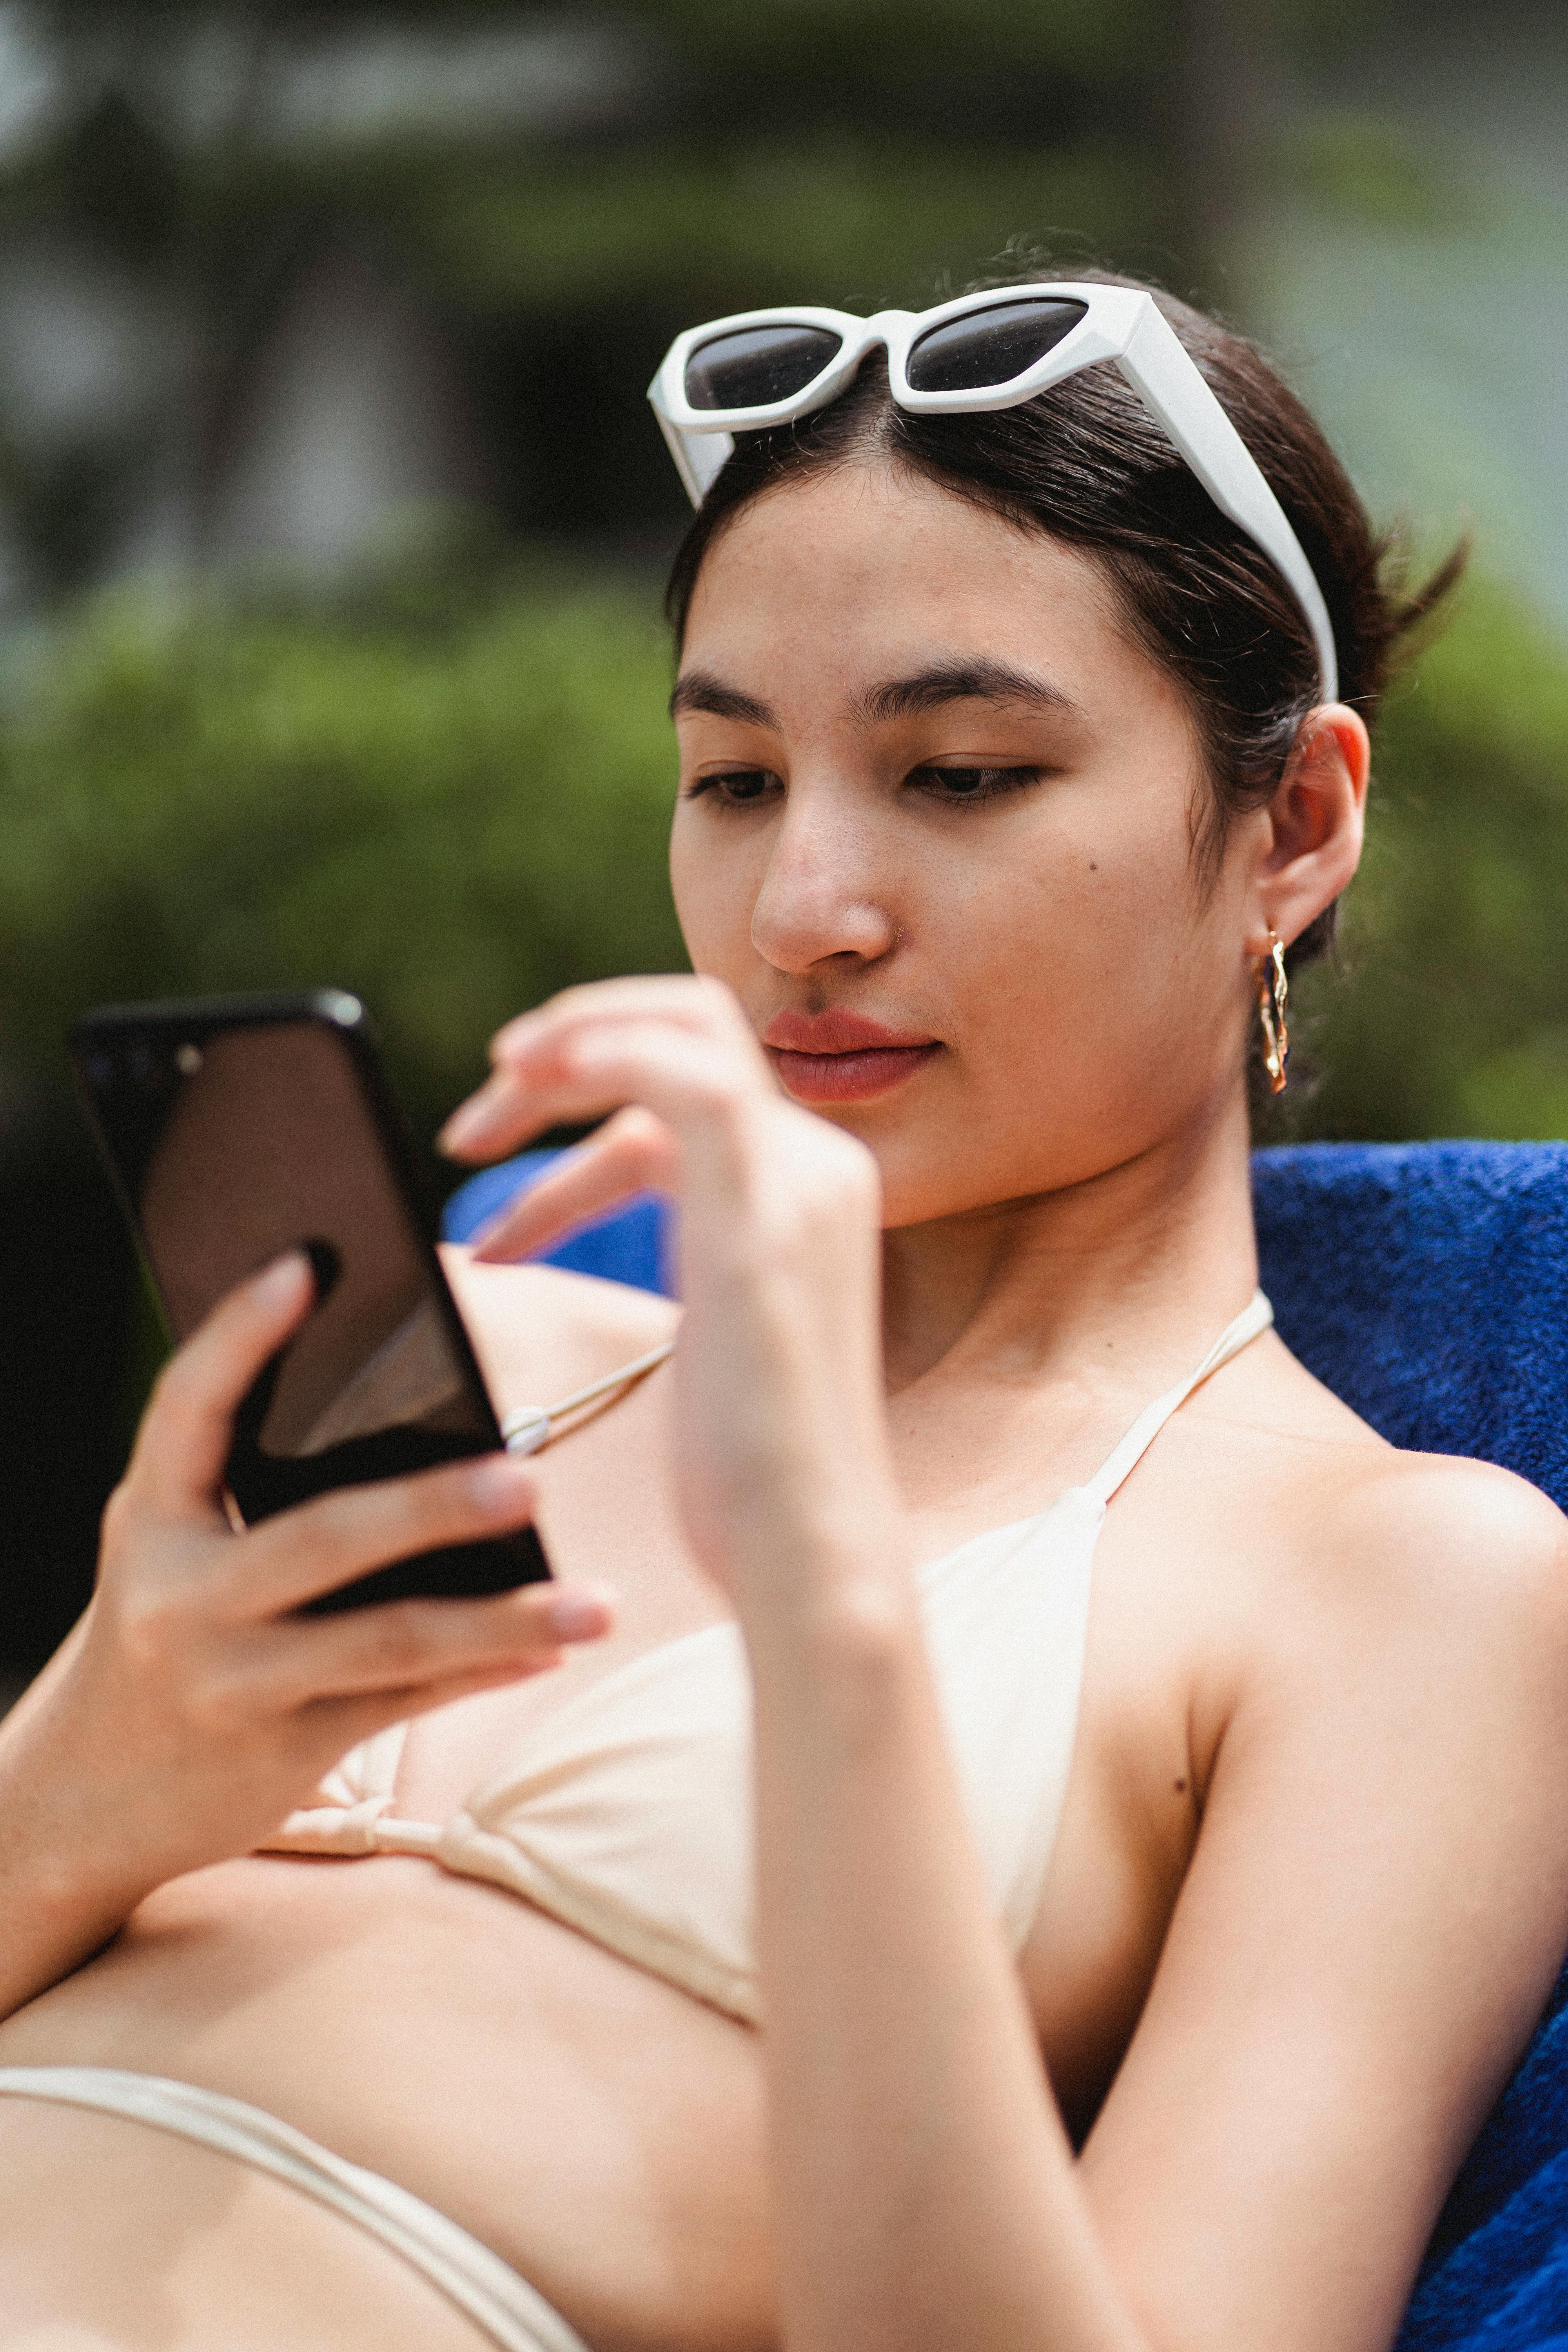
pixel 1153 1809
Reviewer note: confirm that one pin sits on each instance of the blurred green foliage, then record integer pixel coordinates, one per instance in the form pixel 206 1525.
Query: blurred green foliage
pixel 825 218
pixel 449 805
pixel 1448 1011
pixel 882 39
pixel 455 802
pixel 1372 168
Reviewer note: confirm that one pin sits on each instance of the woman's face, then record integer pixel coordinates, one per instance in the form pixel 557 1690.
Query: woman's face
pixel 935 830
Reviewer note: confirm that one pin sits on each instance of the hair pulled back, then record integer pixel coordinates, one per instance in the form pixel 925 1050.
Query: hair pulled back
pixel 1085 462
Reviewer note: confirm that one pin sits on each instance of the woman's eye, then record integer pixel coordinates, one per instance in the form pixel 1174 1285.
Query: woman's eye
pixel 735 787
pixel 952 783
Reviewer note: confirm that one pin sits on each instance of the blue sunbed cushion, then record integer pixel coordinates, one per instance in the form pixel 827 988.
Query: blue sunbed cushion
pixel 629 1245
pixel 1427 1284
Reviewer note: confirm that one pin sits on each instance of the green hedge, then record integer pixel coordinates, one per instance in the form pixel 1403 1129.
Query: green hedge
pixel 1448 1012
pixel 454 802
pixel 450 816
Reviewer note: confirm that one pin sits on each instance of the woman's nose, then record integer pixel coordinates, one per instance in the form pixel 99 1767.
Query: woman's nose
pixel 822 895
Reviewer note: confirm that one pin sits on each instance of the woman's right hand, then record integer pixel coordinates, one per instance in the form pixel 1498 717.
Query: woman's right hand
pixel 190 1708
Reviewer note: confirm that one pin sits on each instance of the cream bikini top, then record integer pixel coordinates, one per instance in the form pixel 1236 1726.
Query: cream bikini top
pixel 626 1811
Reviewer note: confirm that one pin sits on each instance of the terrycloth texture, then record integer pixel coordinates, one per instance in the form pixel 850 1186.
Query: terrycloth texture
pixel 1495 2273
pixel 1427 1284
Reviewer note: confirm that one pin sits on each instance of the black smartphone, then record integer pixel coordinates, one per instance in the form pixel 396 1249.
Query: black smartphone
pixel 237 1127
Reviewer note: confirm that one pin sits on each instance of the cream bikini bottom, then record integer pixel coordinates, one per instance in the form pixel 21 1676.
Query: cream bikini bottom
pixel 511 2313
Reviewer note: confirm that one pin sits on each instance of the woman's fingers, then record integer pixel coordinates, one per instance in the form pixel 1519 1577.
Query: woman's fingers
pixel 536 1056
pixel 690 1082
pixel 632 1153
pixel 356 1719
pixel 282 1562
pixel 408 1650
pixel 183 1442
pixel 679 1000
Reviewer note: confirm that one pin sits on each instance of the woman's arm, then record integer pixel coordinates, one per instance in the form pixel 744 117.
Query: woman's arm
pixel 1374 1915
pixel 1344 1986
pixel 924 2187
pixel 190 1709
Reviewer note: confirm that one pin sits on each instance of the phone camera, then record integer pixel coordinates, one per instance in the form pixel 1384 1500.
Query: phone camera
pixel 187 1060
pixel 145 1068
pixel 102 1070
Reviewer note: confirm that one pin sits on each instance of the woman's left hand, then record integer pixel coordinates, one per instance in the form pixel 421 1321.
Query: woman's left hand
pixel 783 1458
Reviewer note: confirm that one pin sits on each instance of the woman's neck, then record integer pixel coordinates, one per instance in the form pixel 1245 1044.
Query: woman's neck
pixel 1140 1260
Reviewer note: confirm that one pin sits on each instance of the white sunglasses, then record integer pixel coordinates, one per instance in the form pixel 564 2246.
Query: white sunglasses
pixel 984 350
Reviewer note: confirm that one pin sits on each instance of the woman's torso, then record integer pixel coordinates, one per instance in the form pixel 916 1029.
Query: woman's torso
pixel 597 2125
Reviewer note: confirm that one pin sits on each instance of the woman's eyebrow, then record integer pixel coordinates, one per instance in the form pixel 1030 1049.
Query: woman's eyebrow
pixel 698 689
pixel 959 681
pixel 901 697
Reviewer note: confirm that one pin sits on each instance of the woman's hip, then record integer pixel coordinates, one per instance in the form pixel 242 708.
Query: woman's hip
pixel 137 2212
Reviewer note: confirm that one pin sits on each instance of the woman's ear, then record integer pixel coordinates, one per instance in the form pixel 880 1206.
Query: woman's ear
pixel 1314 824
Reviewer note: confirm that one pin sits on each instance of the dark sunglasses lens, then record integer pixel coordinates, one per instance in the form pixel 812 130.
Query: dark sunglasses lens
pixel 990 347
pixel 757 365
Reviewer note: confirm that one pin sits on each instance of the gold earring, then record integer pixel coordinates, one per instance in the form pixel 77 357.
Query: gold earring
pixel 1271 982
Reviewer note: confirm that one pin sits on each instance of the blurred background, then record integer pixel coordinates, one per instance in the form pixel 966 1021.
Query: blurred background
pixel 333 518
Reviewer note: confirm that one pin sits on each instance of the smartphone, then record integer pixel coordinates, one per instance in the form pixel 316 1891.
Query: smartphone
pixel 237 1127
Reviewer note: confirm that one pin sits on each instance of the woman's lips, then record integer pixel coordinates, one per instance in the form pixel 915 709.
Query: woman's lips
pixel 839 1057
pixel 848 1077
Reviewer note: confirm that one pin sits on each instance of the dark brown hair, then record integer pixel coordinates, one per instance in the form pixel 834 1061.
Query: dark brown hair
pixel 1087 464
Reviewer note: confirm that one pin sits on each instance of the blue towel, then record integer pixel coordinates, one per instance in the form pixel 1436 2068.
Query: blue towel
pixel 630 1245
pixel 1427 1284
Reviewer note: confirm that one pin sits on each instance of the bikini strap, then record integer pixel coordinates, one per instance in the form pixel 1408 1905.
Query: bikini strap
pixel 1254 1318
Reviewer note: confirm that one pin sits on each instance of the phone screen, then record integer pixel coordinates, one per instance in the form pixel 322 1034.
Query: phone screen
pixel 236 1137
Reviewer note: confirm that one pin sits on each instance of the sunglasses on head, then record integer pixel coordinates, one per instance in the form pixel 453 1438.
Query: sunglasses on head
pixel 984 350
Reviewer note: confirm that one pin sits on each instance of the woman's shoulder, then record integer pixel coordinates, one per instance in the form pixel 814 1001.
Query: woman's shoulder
pixel 1356 1557
pixel 1400 1650
pixel 1431 1577
pixel 1378 1517
pixel 1456 1528
pixel 540 1331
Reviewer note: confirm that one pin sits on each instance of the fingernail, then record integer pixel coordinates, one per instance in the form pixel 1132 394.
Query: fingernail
pixel 280 1281
pixel 500 1485
pixel 578 1610
pixel 467 1121
pixel 492 1230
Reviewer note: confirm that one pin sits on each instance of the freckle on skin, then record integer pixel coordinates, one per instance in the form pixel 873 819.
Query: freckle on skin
pixel 1181 1788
